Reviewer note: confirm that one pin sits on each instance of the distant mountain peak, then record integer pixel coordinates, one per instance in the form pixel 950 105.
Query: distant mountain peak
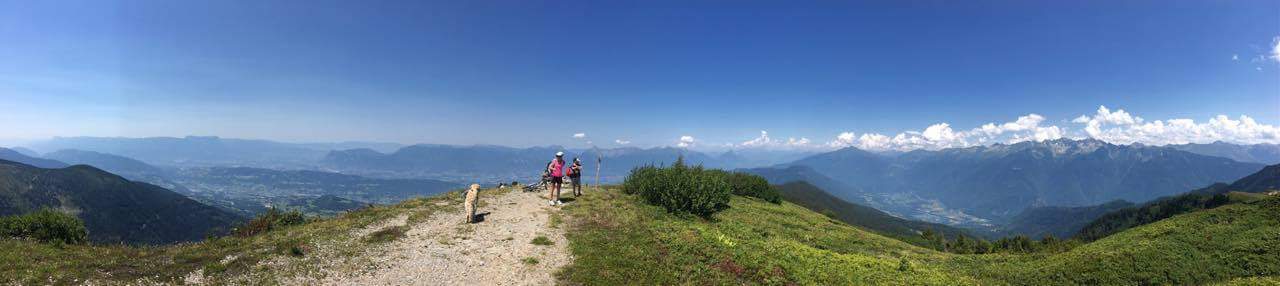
pixel 1066 146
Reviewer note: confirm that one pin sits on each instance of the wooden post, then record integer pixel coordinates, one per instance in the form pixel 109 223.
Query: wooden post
pixel 599 160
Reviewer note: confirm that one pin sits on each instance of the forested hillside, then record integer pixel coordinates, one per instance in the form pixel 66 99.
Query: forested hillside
pixel 1247 189
pixel 113 209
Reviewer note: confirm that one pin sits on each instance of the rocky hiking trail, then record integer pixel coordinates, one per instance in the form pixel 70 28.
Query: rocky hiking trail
pixel 442 250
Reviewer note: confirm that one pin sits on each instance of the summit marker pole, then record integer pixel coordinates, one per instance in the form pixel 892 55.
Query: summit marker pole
pixel 599 161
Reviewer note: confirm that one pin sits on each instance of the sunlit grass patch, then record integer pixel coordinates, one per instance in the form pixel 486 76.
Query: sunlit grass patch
pixel 541 240
pixel 529 261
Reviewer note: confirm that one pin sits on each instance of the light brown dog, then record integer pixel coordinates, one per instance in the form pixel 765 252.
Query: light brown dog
pixel 469 205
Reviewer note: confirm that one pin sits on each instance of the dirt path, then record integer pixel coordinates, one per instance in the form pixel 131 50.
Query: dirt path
pixel 441 250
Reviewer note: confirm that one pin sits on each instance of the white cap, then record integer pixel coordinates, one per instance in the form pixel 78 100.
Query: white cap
pixel 559 154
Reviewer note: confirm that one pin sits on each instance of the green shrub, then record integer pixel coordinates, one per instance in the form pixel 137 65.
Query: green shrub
pixel 45 225
pixel 749 185
pixel 297 251
pixel 542 240
pixel 680 188
pixel 272 219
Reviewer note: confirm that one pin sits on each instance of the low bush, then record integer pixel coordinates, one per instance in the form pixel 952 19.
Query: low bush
pixel 749 185
pixel 680 188
pixel 45 225
pixel 272 219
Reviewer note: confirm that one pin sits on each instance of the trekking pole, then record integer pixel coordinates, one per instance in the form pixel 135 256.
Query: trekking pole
pixel 599 161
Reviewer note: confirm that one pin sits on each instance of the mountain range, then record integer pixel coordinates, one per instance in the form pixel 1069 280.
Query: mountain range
pixel 503 164
pixel 458 163
pixel 120 165
pixel 999 181
pixel 113 208
pixel 23 157
pixel 993 188
pixel 198 151
pixel 1257 153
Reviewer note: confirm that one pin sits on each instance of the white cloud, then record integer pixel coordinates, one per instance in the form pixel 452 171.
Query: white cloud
pixel 1081 119
pixel 1244 130
pixel 1275 49
pixel 798 142
pixel 1116 126
pixel 621 142
pixel 874 142
pixel 940 132
pixel 579 135
pixel 942 135
pixel 763 140
pixel 846 137
pixel 686 141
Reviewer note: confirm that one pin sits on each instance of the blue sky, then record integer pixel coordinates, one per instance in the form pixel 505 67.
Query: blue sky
pixel 527 73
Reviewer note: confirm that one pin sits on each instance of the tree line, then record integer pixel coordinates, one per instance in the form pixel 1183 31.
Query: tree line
pixel 964 244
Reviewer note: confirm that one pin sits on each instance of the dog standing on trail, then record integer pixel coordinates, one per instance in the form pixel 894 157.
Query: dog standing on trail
pixel 469 205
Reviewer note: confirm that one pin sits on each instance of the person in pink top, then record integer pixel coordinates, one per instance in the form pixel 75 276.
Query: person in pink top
pixel 556 169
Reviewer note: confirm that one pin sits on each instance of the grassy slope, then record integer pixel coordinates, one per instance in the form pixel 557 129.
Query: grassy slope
pixel 1126 218
pixel 225 260
pixel 814 198
pixel 1239 240
pixel 617 240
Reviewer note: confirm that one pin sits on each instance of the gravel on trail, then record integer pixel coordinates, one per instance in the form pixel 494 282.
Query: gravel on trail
pixel 443 250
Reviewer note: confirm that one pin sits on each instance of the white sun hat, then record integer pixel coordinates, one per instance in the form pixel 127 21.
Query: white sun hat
pixel 559 154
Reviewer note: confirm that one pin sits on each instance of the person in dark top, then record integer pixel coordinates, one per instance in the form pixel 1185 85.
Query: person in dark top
pixel 575 175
